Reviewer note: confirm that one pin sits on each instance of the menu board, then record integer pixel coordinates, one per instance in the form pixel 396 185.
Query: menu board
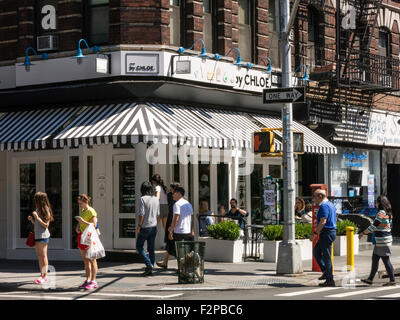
pixel 127 228
pixel 126 187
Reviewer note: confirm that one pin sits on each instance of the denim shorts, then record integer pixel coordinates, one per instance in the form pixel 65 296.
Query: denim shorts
pixel 43 240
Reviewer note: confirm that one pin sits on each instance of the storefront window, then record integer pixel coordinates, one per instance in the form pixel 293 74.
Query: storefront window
pixel 255 177
pixel 223 185
pixel 176 173
pixel 74 192
pixel 27 190
pixel 98 21
pixel 53 188
pixel 204 182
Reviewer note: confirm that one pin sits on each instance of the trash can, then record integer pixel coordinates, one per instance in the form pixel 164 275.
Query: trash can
pixel 190 256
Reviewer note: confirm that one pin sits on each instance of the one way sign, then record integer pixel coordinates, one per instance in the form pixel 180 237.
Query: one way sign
pixel 284 95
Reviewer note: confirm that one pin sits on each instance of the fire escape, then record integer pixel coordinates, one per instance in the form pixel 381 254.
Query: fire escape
pixel 362 70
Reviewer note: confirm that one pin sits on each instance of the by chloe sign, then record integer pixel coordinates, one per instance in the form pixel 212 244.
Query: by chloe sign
pixel 141 63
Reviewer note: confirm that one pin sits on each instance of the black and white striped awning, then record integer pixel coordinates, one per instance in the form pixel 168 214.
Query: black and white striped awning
pixel 237 126
pixel 313 143
pixel 130 122
pixel 31 129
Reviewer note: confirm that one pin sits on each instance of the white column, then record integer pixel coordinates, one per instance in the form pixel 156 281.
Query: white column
pixel 107 228
pixel 4 208
pixel 214 188
pixel 141 171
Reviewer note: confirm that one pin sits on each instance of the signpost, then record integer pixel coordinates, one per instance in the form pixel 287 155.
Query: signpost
pixel 284 95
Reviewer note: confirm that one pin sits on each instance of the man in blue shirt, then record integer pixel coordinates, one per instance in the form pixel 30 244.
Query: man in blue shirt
pixel 237 213
pixel 326 228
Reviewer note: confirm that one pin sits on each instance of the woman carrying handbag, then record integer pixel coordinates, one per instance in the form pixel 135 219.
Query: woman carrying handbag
pixel 41 219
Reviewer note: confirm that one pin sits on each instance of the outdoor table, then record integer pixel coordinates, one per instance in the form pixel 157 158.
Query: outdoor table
pixel 255 238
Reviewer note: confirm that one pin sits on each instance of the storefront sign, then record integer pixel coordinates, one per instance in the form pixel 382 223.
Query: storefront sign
pixel 140 63
pixel 377 129
pixel 354 158
pixel 221 73
pixel 392 134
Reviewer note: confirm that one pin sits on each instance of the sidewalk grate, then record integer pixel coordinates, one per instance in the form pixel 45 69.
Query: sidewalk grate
pixel 264 282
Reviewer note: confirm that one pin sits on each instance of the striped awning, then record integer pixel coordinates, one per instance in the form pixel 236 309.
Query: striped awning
pixel 130 122
pixel 313 143
pixel 30 129
pixel 237 126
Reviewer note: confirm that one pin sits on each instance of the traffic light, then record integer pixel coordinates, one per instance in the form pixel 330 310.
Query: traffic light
pixel 264 142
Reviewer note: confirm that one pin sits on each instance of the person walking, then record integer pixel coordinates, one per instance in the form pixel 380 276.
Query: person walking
pixel 87 216
pixel 149 211
pixel 169 243
pixel 161 194
pixel 326 228
pixel 381 227
pixel 181 228
pixel 41 219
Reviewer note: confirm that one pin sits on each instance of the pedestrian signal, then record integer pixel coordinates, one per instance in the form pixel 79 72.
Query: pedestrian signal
pixel 298 142
pixel 264 142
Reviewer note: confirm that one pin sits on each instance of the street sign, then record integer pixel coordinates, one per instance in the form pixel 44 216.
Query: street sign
pixel 284 95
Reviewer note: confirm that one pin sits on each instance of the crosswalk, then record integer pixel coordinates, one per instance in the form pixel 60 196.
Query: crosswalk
pixel 358 292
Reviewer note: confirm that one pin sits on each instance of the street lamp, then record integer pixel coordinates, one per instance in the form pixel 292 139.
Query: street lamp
pixel 203 53
pixel 27 63
pixel 305 77
pixel 80 55
pixel 269 65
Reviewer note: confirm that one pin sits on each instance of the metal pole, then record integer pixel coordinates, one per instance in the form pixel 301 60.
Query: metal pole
pixel 289 259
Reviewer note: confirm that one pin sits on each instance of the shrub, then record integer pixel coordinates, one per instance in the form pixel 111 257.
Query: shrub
pixel 275 232
pixel 225 230
pixel 341 227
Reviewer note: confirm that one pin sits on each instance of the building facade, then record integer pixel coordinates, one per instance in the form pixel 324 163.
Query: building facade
pixel 137 104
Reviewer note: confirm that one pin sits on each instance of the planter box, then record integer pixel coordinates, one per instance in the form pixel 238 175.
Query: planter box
pixel 271 250
pixel 340 245
pixel 223 250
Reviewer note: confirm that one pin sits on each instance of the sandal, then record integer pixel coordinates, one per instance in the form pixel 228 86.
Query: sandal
pixel 367 281
pixel 162 266
pixel 40 280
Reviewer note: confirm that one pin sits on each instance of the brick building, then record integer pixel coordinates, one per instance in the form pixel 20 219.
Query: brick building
pixel 72 124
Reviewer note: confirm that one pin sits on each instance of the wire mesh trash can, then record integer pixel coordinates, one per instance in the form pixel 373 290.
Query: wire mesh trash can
pixel 190 256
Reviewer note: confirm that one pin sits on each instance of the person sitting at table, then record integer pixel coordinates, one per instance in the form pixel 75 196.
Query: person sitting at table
pixel 307 215
pixel 236 212
pixel 299 208
pixel 205 218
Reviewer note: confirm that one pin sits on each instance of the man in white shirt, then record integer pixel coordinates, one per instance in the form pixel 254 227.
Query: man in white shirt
pixel 182 223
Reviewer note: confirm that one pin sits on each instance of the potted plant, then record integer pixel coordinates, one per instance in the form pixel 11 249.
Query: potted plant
pixel 273 235
pixel 224 245
pixel 340 244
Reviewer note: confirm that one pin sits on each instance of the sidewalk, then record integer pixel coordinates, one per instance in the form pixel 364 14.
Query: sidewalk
pixel 126 277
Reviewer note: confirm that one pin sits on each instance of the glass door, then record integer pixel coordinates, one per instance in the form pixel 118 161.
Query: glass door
pixel 124 202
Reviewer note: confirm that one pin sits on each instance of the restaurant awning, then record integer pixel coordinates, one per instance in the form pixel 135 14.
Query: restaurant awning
pixel 31 129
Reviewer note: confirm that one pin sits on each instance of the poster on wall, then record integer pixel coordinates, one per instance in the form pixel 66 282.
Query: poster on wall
pixel 242 192
pixel 337 193
pixel 371 191
pixel 126 187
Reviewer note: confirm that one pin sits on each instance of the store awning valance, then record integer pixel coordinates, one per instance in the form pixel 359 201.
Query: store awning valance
pixel 313 143
pixel 237 126
pixel 130 122
pixel 31 129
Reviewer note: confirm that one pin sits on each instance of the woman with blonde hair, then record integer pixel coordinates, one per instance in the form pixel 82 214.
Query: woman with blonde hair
pixel 87 216
pixel 41 219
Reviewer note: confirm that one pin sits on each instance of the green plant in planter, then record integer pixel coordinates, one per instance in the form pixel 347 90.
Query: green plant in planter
pixel 275 232
pixel 225 230
pixel 341 227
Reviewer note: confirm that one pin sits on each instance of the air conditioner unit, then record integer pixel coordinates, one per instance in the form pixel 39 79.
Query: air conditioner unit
pixel 47 43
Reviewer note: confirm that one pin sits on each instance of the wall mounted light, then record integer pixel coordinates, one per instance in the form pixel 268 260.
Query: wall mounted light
pixel 269 65
pixel 203 53
pixel 238 62
pixel 305 77
pixel 27 63
pixel 80 55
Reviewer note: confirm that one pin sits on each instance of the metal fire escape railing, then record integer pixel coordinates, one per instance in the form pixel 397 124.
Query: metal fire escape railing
pixel 356 66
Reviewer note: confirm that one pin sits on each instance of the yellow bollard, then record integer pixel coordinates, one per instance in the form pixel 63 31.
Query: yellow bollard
pixel 350 248
pixel 332 258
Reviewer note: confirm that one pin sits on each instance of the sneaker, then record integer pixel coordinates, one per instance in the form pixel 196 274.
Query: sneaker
pixel 390 283
pixel 367 281
pixel 328 284
pixel 147 272
pixel 83 285
pixel 41 280
pixel 91 285
pixel 322 277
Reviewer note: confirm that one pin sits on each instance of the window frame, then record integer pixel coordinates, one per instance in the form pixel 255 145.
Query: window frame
pixel 87 14
pixel 252 19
